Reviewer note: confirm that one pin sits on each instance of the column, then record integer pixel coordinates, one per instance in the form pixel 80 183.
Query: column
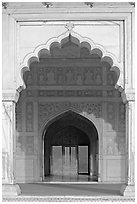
pixel 129 188
pixel 9 186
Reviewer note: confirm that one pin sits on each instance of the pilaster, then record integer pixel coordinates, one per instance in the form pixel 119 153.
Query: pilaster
pixel 129 188
pixel 9 100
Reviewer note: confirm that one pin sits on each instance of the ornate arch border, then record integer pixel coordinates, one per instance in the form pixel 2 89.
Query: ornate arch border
pixel 94 48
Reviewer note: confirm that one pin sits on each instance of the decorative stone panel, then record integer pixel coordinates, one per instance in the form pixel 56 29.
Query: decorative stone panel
pixel 19 116
pixel 115 146
pixel 29 142
pixel 47 110
pixel 89 92
pixel 20 145
pixel 110 116
pixel 73 75
pixel 5 166
pixel 29 78
pixel 121 115
pixel 25 145
pixel 29 116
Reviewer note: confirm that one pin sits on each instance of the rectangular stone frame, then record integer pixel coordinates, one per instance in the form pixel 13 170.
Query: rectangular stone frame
pixel 124 14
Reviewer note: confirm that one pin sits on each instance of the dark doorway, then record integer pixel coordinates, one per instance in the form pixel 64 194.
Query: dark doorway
pixel 70 149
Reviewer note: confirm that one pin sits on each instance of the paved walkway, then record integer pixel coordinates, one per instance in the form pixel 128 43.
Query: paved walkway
pixel 67 192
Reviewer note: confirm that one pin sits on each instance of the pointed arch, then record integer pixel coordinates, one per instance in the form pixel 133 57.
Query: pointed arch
pixel 72 113
pixel 83 133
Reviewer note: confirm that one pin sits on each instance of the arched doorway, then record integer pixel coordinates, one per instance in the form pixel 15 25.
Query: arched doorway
pixel 70 149
pixel 71 77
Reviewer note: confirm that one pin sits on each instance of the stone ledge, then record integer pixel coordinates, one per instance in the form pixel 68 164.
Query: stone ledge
pixel 128 190
pixel 68 199
pixel 10 190
pixel 129 96
pixel 10 95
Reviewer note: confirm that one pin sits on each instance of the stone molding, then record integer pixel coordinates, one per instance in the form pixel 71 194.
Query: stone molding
pixel 11 190
pixel 128 190
pixel 129 96
pixel 77 7
pixel 81 199
pixel 10 95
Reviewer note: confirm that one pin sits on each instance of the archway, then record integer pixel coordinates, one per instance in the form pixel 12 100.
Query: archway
pixel 70 144
pixel 71 76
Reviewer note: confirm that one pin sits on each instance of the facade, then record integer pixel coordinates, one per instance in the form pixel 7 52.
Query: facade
pixel 68 93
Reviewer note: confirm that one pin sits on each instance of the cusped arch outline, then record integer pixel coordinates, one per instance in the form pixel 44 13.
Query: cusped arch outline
pixel 85 42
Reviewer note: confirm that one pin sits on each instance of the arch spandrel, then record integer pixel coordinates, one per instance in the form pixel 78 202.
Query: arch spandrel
pixel 90 118
pixel 75 119
pixel 79 41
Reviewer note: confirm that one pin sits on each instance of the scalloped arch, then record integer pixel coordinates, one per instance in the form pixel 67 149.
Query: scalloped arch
pixel 85 42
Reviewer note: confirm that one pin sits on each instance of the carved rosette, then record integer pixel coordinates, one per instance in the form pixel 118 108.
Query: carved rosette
pixel 49 110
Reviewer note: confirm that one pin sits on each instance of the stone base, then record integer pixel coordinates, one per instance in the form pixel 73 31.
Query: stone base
pixel 128 190
pixel 10 189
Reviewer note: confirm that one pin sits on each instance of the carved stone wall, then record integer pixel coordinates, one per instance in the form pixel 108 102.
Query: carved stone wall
pixel 115 146
pixel 52 109
pixel 8 141
pixel 88 92
pixel 19 116
pixel 89 74
pixel 109 115
pixel 29 116
pixel 25 145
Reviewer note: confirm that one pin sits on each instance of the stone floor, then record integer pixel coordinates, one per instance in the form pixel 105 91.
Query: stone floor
pixel 68 189
pixel 69 178
pixel 67 192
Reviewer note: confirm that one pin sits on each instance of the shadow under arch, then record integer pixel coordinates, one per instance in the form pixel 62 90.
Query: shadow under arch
pixel 80 133
pixel 65 114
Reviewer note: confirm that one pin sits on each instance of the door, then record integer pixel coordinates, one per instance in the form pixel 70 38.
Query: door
pixel 56 160
pixel 64 160
pixel 69 161
pixel 83 160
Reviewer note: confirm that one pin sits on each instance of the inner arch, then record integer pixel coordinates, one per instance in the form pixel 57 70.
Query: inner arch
pixel 70 149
